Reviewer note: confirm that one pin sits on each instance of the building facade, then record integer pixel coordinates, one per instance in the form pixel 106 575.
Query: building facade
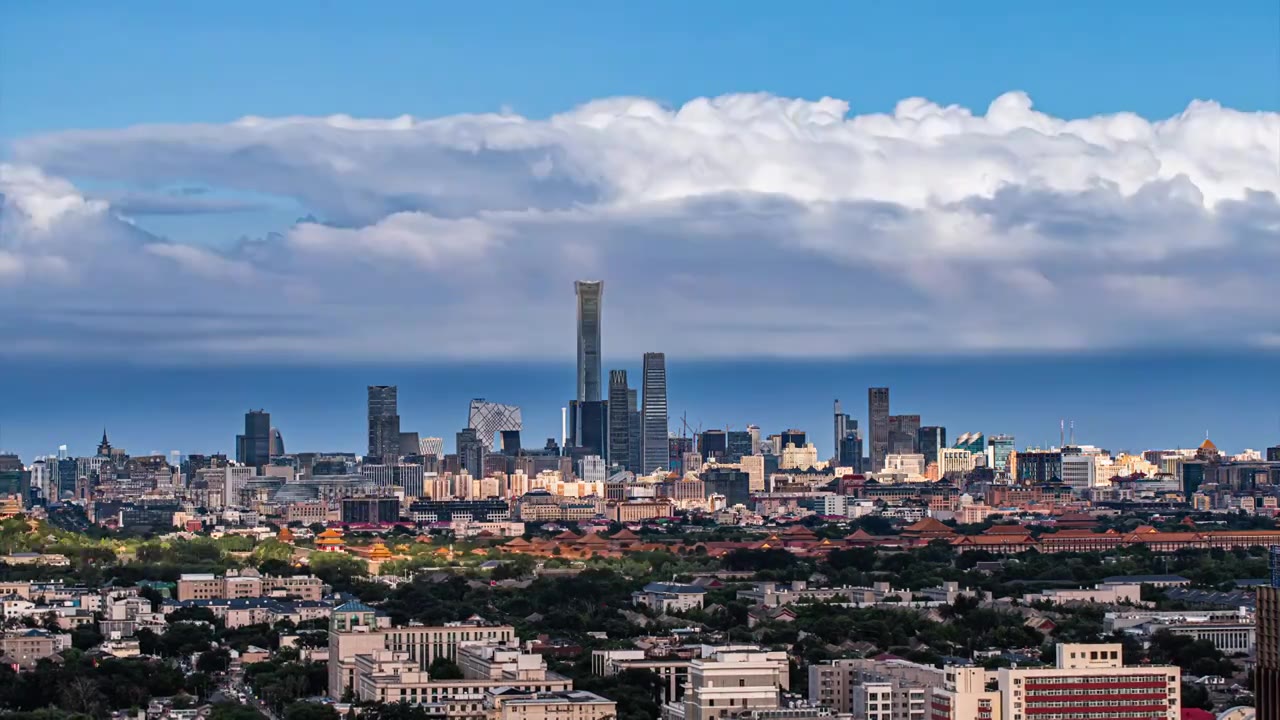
pixel 656 449
pixel 590 299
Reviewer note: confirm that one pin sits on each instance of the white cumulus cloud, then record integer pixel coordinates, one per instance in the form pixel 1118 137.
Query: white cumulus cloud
pixel 742 224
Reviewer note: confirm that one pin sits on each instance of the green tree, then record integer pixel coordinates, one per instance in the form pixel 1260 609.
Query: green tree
pixel 310 711
pixel 442 668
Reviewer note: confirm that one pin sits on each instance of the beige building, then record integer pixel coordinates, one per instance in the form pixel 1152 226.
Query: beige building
pixel 965 694
pixel 356 630
pixel 639 510
pixel 731 683
pixel 874 689
pixel 24 648
pixel 561 705
pixel 1113 690
pixel 248 584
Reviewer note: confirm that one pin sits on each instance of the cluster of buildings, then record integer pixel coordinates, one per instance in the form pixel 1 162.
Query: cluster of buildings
pixel 617 459
pixel 370 660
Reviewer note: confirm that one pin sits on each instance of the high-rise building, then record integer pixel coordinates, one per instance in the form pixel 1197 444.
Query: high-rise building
pixel 589 428
pixel 277 442
pixel 635 424
pixel 713 445
pixel 737 445
pixel 619 420
pixel 904 433
pixel 1266 681
pixel 931 439
pixel 431 446
pixel 470 448
pixel 791 437
pixel 678 449
pixel 973 442
pixel 1273 454
pixel 850 453
pixel 384 423
pixel 656 449
pixel 878 426
pixel 843 424
pixel 254 446
pixel 590 295
pixel 999 448
pixel 754 432
pixel 488 419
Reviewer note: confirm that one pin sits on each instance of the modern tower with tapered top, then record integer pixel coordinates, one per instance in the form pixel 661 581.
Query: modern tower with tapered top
pixel 590 295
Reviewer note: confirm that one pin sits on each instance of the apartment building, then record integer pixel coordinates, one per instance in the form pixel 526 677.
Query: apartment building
pixel 1091 681
pixel 355 630
pixel 248 584
pixel 731 683
pixel 560 705
pixel 874 689
pixel 24 648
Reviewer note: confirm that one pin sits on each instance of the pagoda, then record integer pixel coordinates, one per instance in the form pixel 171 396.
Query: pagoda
pixel 330 541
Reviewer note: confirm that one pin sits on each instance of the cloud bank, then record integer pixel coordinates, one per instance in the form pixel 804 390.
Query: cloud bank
pixel 740 225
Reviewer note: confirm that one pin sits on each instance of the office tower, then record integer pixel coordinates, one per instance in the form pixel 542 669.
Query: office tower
pixel 841 429
pixel 904 433
pixel 470 448
pixel 254 446
pixel 1273 454
pixel 431 446
pixel 878 426
pixel 850 452
pixel 931 439
pixel 635 440
pixel 791 437
pixel 678 449
pixel 619 420
pixel 712 445
pixel 408 443
pixel 511 442
pixel 1266 681
pixel 384 423
pixel 66 477
pixel 973 442
pixel 999 448
pixel 754 432
pixel 656 449
pixel 588 428
pixel 590 295
pixel 737 445
pixel 277 442
pixel 488 419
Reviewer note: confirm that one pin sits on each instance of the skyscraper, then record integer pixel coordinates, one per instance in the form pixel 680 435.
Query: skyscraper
pixel 590 294
pixel 840 427
pixel 878 425
pixel 384 423
pixel 1000 447
pixel 277 442
pixel 488 419
pixel 254 446
pixel 635 459
pixel 656 449
pixel 619 420
pixel 931 439
pixel 470 451
pixel 904 434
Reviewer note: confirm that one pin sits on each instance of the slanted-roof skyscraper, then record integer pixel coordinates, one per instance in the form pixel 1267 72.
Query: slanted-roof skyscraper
pixel 384 423
pixel 590 295
pixel 653 414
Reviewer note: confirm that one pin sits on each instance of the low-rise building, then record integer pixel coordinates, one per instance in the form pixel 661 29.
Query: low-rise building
pixel 22 649
pixel 666 597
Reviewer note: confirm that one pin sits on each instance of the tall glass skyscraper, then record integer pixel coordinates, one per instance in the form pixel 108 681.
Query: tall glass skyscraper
pixel 653 412
pixel 619 420
pixel 878 426
pixel 254 446
pixel 590 294
pixel 384 423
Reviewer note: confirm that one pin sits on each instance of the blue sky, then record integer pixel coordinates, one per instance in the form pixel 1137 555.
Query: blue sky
pixel 87 64
pixel 1055 192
